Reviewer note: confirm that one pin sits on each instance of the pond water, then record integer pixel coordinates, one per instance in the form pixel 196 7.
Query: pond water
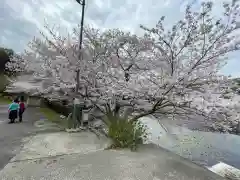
pixel 204 148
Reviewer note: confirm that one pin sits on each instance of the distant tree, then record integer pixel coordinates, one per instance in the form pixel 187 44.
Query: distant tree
pixel 237 81
pixel 5 56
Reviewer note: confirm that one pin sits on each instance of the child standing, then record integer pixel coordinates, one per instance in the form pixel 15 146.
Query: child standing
pixel 13 111
pixel 21 108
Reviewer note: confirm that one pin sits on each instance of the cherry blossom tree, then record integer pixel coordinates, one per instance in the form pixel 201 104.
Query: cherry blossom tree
pixel 193 52
pixel 165 71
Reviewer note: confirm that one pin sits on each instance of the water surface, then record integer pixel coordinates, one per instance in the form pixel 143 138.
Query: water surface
pixel 204 148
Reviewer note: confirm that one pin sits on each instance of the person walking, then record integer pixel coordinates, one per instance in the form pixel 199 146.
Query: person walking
pixel 21 108
pixel 13 111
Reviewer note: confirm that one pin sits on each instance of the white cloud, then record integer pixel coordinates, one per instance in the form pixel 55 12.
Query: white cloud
pixel 22 19
pixel 127 14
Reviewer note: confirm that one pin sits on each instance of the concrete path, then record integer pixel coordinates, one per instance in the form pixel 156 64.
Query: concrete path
pixel 149 163
pixel 27 154
pixel 13 136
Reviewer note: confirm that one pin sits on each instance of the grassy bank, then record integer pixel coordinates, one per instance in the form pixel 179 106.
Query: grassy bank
pixel 53 117
pixel 3 82
pixel 4 100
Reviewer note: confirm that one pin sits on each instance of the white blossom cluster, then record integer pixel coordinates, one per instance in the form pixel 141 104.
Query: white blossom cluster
pixel 165 70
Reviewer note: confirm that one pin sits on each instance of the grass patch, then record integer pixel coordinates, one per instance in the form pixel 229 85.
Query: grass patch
pixel 4 100
pixel 54 117
pixel 126 134
pixel 3 82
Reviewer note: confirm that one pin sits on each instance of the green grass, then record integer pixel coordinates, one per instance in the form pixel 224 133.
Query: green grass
pixel 3 82
pixel 4 100
pixel 53 117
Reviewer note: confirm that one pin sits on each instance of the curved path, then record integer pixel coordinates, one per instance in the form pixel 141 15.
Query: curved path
pixel 11 135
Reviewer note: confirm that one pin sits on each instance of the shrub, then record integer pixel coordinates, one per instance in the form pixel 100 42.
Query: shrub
pixel 59 107
pixel 234 88
pixel 5 55
pixel 3 83
pixel 126 134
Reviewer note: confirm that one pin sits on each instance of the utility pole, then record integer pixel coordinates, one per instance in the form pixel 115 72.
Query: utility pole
pixel 82 3
pixel 77 105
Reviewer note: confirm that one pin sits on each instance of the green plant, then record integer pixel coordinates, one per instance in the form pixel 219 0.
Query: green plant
pixel 234 88
pixel 226 97
pixel 5 56
pixel 4 100
pixel 125 133
pixel 4 82
pixel 53 116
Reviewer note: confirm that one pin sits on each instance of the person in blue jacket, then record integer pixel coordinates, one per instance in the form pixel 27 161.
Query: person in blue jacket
pixel 13 111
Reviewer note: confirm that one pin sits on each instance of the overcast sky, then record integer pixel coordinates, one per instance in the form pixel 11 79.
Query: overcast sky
pixel 22 19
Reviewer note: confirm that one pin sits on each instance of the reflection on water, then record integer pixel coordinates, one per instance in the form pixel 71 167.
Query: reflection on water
pixel 204 148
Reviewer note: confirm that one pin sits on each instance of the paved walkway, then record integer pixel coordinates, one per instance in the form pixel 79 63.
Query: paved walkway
pixel 13 136
pixel 148 164
pixel 61 155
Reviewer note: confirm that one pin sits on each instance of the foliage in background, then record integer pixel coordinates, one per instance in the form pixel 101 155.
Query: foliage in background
pixel 236 85
pixel 237 81
pixel 5 100
pixel 4 82
pixel 5 56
